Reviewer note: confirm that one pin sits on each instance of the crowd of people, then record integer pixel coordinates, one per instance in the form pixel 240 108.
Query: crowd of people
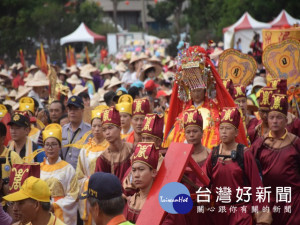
pixel 84 145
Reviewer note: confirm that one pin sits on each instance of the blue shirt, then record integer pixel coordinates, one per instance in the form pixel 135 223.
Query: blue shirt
pixel 70 154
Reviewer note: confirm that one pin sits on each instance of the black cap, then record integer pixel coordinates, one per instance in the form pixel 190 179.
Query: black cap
pixel 119 93
pixel 19 120
pixel 133 91
pixel 103 186
pixel 75 101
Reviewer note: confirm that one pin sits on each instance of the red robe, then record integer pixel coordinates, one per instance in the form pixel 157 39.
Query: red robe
pixel 281 168
pixel 253 122
pixel 229 174
pixel 293 125
pixel 118 165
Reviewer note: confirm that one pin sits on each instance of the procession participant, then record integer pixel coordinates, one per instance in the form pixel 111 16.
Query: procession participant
pixel 278 154
pixel 87 160
pixel 56 110
pixel 60 177
pixel 193 131
pixel 116 158
pixel 105 199
pixel 115 84
pixel 258 83
pixel 26 104
pixel 88 80
pixel 293 123
pixel 264 107
pixel 124 107
pixel 198 85
pixel 17 74
pixel 239 97
pixel 144 170
pixel 140 108
pixel 33 203
pixel 38 84
pixel 232 166
pixel 152 132
pixel 10 156
pixel 73 81
pixel 74 131
pixel 21 143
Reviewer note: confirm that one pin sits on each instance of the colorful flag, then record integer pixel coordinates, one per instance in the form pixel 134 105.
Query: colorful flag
pixel 44 66
pixel 22 58
pixel 38 58
pixel 87 55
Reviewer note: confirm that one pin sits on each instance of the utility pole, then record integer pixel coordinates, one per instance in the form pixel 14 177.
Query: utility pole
pixel 144 16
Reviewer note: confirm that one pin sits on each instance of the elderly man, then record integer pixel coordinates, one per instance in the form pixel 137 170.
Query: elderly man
pixel 74 131
pixel 33 202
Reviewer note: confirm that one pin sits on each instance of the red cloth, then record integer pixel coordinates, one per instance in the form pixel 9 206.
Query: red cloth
pixel 281 168
pixel 17 81
pixel 103 53
pixel 229 174
pixel 131 214
pixel 120 167
pixel 294 127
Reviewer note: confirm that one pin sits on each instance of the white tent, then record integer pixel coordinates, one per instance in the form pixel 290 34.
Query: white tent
pixel 244 28
pixel 82 34
pixel 284 19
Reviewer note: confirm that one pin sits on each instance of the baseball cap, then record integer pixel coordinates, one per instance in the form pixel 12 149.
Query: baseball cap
pixel 119 93
pixel 150 85
pixel 20 120
pixel 138 84
pixel 75 101
pixel 103 186
pixel 32 187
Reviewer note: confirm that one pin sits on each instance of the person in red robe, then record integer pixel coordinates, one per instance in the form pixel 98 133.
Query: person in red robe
pixel 116 158
pixel 264 107
pixel 278 152
pixel 193 130
pixel 144 170
pixel 140 108
pixel 152 132
pixel 233 171
pixel 293 123
pixel 240 98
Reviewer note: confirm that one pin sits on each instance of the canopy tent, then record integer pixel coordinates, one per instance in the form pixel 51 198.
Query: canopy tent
pixel 284 19
pixel 82 34
pixel 244 28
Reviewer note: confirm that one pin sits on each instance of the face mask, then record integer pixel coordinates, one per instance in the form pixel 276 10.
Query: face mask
pixel 21 73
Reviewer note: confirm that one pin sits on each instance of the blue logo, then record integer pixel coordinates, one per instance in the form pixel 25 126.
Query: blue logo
pixel 175 198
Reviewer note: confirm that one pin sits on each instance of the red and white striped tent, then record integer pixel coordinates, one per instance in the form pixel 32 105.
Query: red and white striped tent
pixel 244 28
pixel 284 20
pixel 82 34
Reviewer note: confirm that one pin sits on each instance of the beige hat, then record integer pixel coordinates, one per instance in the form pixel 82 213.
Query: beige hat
pixel 220 44
pixel 22 91
pixel 39 80
pixel 134 58
pixel 89 67
pixel 32 67
pixel 74 79
pixel 4 74
pixel 106 71
pixel 143 56
pixel 19 66
pixel 148 66
pixel 13 66
pixel 16 106
pixel 171 64
pixel 9 102
pixel 28 78
pixel 1 81
pixel 114 82
pixel 62 72
pixel 86 74
pixel 121 67
pixel 12 94
pixel 73 69
pixel 106 84
pixel 259 81
pixel 78 89
pixel 154 59
pixel 217 52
